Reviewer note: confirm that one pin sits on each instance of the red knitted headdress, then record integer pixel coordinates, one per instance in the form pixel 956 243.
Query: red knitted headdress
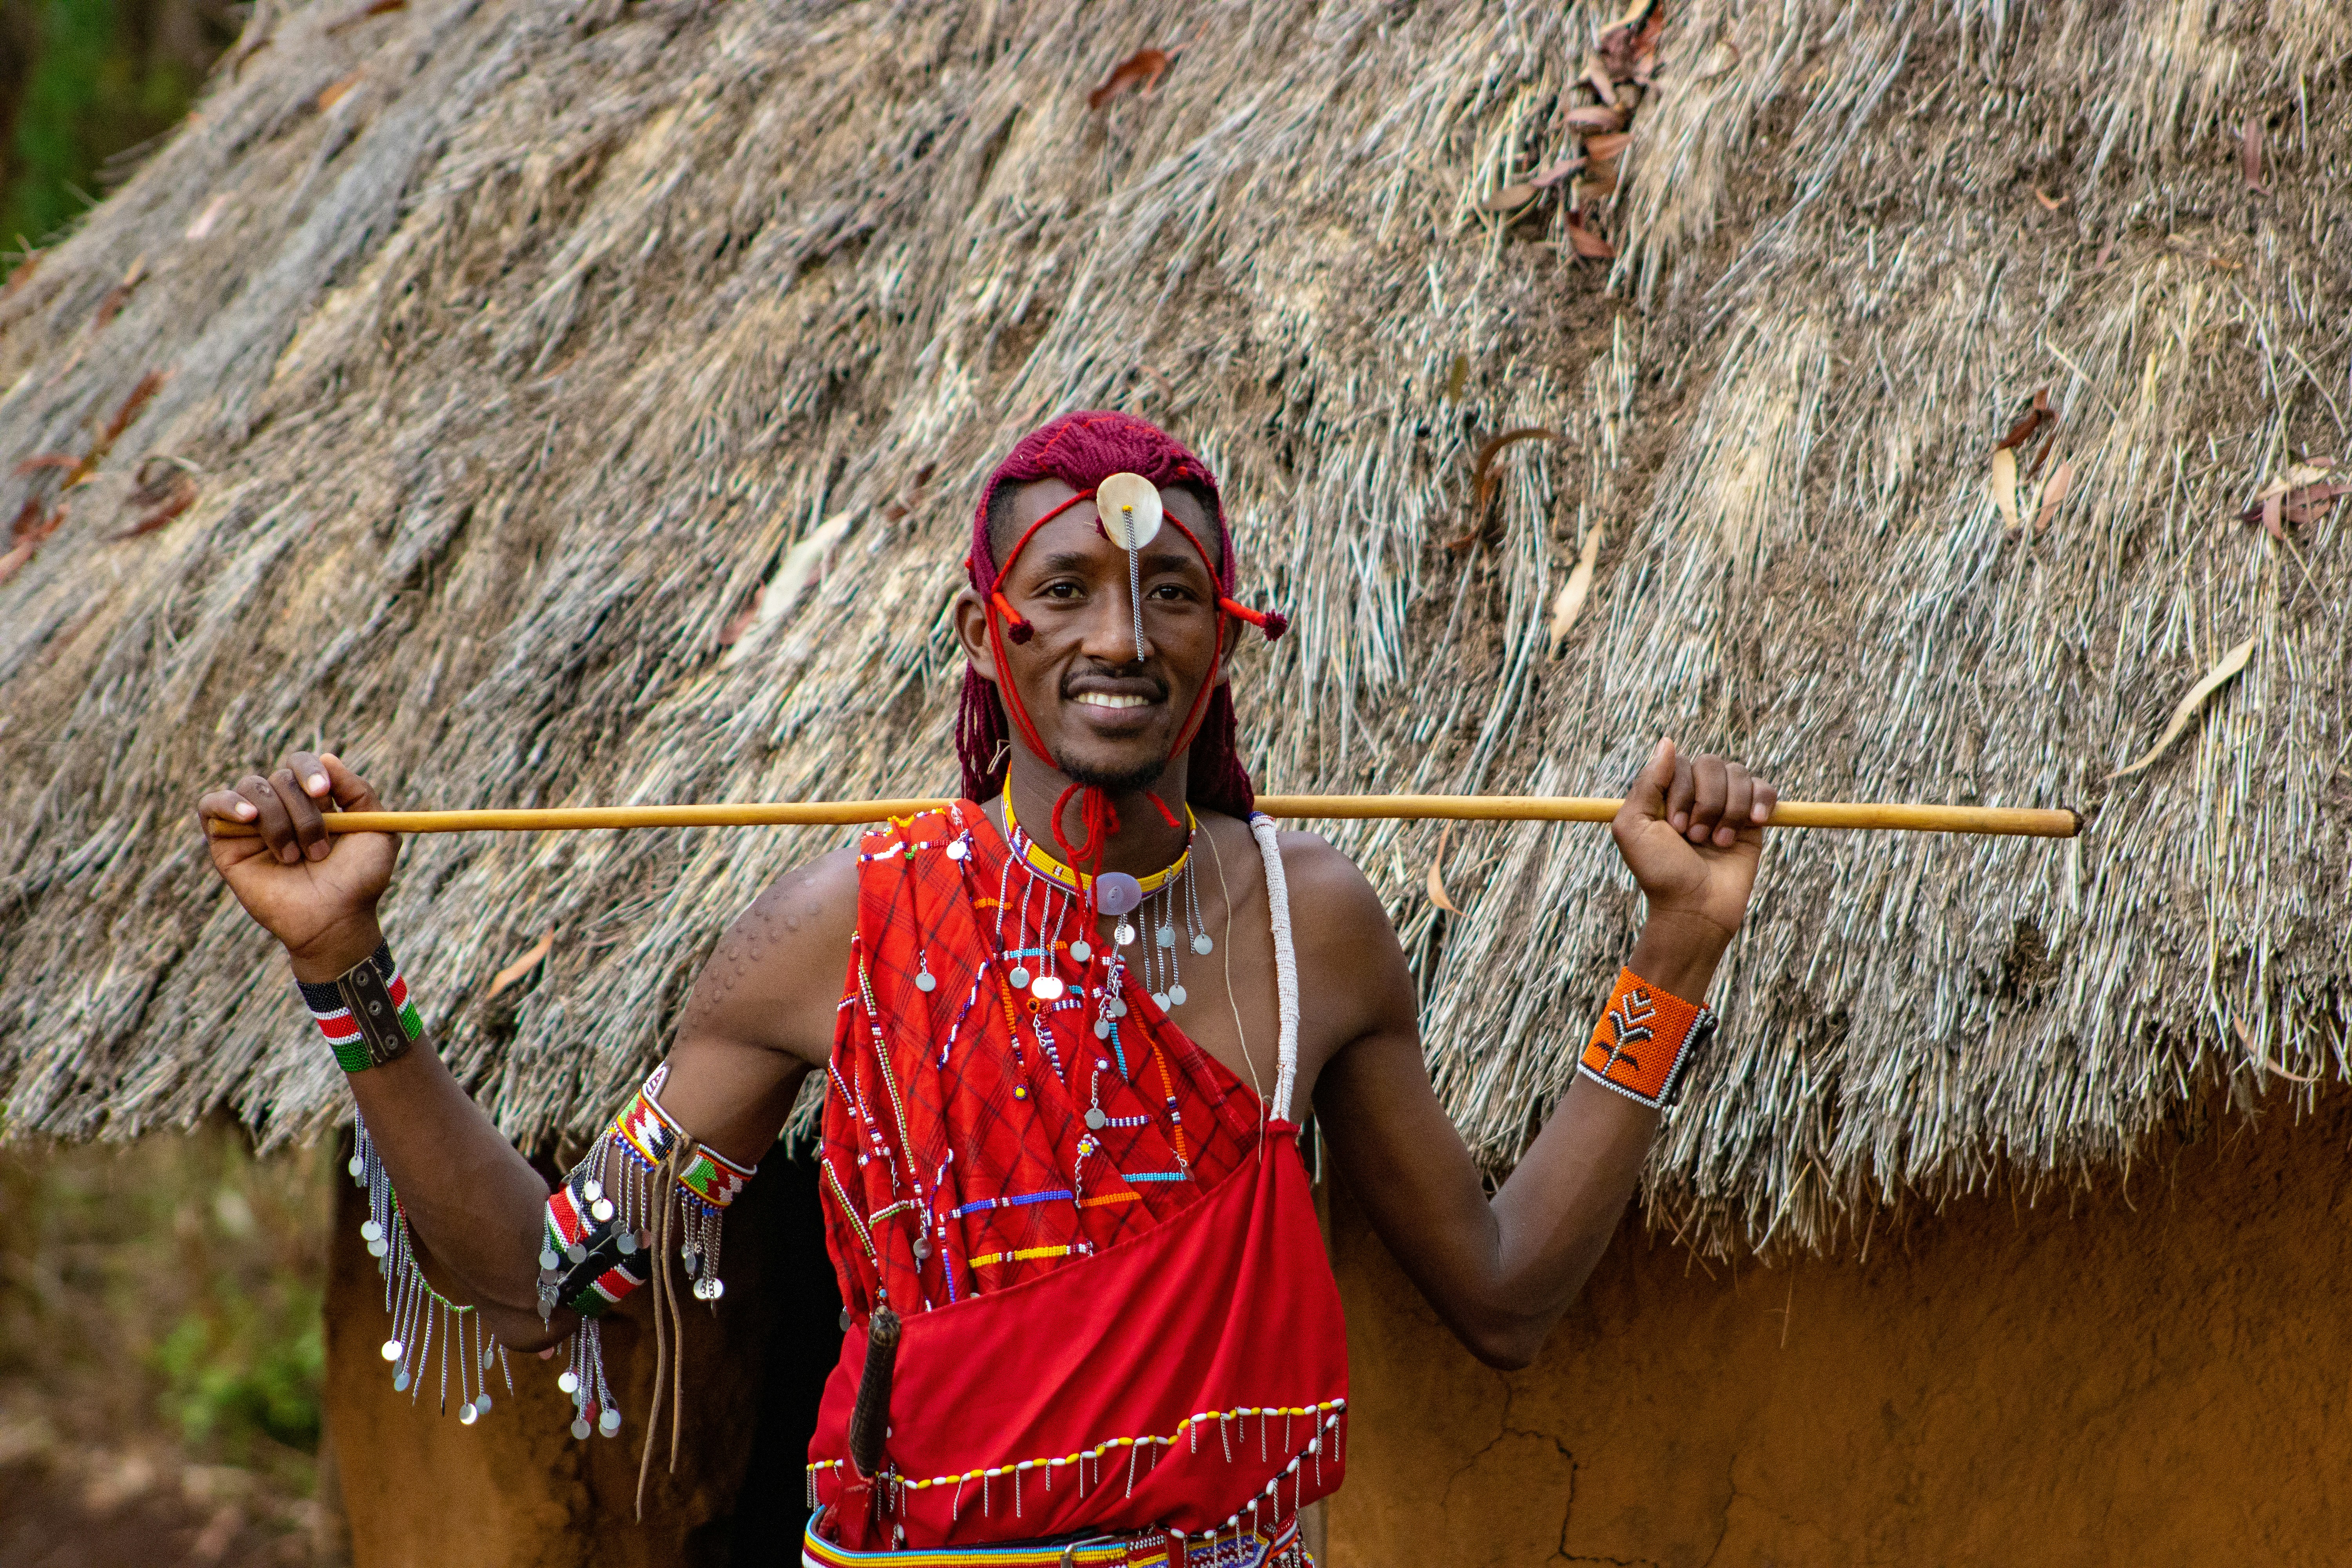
pixel 1082 451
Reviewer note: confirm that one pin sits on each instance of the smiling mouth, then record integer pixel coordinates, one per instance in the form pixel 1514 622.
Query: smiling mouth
pixel 1110 700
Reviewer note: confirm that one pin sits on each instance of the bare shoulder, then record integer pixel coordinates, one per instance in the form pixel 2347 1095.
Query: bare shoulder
pixel 775 976
pixel 1330 894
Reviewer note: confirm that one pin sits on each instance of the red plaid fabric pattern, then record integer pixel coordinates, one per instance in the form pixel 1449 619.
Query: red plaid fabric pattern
pixel 958 1115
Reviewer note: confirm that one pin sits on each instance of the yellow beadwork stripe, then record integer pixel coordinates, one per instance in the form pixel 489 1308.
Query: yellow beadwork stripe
pixel 1026 1253
pixel 1053 870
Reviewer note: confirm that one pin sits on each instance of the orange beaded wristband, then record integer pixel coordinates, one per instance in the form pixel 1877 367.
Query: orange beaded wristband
pixel 1644 1041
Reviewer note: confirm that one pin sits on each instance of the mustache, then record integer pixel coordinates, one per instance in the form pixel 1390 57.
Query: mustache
pixel 1077 682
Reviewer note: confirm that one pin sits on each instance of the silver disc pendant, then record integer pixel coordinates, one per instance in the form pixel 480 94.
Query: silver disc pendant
pixel 568 1381
pixel 377 1248
pixel 1096 1120
pixel 708 1289
pixel 627 1243
pixel 391 1349
pixel 466 1413
pixel 1118 1007
pixel 1115 893
pixel 592 1190
pixel 371 1231
pixel 844 1319
pixel 353 1166
pixel 600 1210
pixel 1020 977
pixel 1047 988
pixel 400 1381
pixel 1166 936
pixel 1102 1029
pixel 923 981
pixel 577 1253
pixel 609 1423
pixel 1176 994
pixel 1201 944
pixel 956 850
pixel 482 1405
pixel 1124 934
pixel 1080 953
pixel 580 1429
pixel 550 1259
pixel 1160 1000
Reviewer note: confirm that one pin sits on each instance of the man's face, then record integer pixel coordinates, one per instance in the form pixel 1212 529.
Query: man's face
pixel 1106 717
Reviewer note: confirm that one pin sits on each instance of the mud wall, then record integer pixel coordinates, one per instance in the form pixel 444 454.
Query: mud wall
pixel 2153 1374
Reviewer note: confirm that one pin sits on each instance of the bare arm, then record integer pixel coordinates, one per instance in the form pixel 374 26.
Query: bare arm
pixel 1501 1272
pixel 760 1015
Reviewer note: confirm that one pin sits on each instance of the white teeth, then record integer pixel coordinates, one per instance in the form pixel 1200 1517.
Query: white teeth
pixel 1112 700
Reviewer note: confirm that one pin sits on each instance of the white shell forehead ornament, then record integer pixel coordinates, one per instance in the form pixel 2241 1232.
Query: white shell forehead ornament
pixel 1129 507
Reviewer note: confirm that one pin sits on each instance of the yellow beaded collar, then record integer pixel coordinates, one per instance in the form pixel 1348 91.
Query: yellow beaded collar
pixel 1062 876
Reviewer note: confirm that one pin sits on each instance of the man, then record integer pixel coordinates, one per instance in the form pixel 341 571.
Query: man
pixel 1065 1070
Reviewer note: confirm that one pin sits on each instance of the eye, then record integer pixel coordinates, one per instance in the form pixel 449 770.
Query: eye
pixel 1063 589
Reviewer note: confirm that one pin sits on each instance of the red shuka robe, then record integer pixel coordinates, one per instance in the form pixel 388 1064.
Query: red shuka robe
pixel 1126 1327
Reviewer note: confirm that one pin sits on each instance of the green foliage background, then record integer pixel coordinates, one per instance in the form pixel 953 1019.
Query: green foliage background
pixel 81 82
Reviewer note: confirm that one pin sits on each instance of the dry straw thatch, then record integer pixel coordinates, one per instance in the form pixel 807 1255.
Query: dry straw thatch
pixel 514 345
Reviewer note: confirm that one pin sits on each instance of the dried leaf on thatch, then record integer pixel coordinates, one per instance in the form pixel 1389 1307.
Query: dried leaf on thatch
pixel 1600 149
pixel 1597 75
pixel 2250 155
pixel 360 13
pixel 1140 70
pixel 742 620
pixel 2047 200
pixel 2033 420
pixel 13 560
pixel 39 460
pixel 165 501
pixel 1546 178
pixel 2301 495
pixel 1488 477
pixel 1436 882
pixel 1509 198
pixel 1457 377
pixel 207 218
pixel 2218 677
pixel 2053 496
pixel 1722 57
pixel 1596 117
pixel 2004 485
pixel 1572 593
pixel 334 92
pixel 120 295
pixel 2255 1054
pixel 521 966
pixel 28 518
pixel 1588 242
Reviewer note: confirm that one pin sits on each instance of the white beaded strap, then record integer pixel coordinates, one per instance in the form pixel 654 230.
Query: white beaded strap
pixel 1286 965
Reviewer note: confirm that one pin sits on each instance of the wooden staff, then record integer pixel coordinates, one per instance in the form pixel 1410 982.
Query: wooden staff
pixel 2060 823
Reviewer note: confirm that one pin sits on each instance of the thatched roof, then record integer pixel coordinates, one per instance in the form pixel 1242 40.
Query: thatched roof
pixel 514 345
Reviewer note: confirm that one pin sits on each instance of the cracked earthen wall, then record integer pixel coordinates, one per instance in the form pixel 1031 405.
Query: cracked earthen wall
pixel 2155 1375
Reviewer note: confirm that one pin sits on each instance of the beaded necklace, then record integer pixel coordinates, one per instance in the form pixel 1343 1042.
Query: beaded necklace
pixel 1165 898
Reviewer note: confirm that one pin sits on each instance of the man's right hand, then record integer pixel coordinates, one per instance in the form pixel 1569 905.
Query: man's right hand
pixel 314 890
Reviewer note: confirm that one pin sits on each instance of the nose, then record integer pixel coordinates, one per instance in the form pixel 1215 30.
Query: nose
pixel 1114 624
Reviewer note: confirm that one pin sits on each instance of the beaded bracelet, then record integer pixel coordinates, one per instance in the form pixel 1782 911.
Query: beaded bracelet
pixel 600 1223
pixel 365 1012
pixel 1646 1041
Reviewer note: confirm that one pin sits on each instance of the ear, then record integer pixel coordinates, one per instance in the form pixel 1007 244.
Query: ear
pixel 970 617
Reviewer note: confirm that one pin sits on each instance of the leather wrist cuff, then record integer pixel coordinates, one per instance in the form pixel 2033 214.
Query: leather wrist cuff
pixel 365 1012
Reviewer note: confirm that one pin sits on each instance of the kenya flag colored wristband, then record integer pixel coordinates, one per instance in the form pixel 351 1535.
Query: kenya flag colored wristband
pixel 365 1013
pixel 1645 1042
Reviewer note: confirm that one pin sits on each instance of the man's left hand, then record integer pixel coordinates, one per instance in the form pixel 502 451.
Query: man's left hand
pixel 1691 831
